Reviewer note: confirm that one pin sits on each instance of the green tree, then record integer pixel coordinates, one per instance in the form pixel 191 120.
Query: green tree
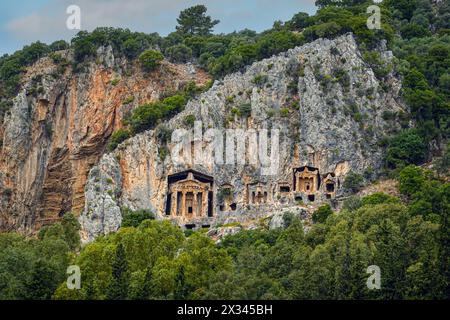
pixel 413 30
pixel 43 281
pixel 408 147
pixel 147 289
pixel 405 7
pixel 132 218
pixel 150 59
pixel 83 46
pixel 59 45
pixel 118 288
pixel 146 116
pixel 411 180
pixel 321 214
pixel 181 291
pixel 443 164
pixel 71 228
pixel 194 21
pixel 131 48
pixel 299 21
pixel 378 198
pixel 353 182
pixel 179 53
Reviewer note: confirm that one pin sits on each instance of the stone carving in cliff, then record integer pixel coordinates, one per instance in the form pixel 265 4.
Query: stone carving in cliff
pixel 58 127
pixel 323 99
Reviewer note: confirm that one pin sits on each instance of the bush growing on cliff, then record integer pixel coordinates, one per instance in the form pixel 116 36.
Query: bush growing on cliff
pixel 4 107
pixel 150 59
pixel 117 138
pixel 353 182
pixel 260 79
pixel 284 112
pixel 174 104
pixel 83 47
pixel 148 115
pixel 122 41
pixel 245 110
pixel 411 180
pixel 179 53
pixel 164 134
pixel 224 193
pixel 11 66
pixel 189 120
pixel 408 147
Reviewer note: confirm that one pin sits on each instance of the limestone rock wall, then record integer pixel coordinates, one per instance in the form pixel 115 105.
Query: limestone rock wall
pixel 59 126
pixel 322 97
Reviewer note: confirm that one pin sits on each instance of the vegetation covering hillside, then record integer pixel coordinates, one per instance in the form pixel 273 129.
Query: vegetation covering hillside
pixel 407 237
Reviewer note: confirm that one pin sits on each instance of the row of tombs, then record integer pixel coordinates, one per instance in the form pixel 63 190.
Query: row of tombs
pixel 190 196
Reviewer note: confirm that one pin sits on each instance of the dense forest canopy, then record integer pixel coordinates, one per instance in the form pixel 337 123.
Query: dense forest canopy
pixel 407 237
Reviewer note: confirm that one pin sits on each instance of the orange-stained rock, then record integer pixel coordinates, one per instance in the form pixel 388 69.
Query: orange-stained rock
pixel 51 139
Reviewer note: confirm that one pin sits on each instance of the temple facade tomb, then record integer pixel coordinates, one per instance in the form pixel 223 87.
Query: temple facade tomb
pixel 190 195
pixel 329 185
pixel 306 180
pixel 258 194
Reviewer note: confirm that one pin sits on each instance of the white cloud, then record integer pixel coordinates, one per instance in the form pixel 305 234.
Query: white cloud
pixel 33 25
pixel 49 23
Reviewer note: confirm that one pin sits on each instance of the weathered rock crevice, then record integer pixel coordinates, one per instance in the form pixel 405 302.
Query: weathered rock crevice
pixel 322 97
pixel 58 128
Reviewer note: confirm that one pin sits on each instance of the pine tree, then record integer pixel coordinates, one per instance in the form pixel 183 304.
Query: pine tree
pixel 90 291
pixel 118 288
pixel 147 287
pixel 43 281
pixel 194 21
pixel 180 292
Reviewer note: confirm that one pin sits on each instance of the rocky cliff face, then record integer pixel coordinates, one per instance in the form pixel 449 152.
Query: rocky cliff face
pixel 327 106
pixel 58 128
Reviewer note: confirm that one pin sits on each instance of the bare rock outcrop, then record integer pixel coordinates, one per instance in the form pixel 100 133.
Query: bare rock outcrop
pixel 324 100
pixel 58 128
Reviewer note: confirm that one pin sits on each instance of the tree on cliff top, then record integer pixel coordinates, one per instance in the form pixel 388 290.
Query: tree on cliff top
pixel 194 21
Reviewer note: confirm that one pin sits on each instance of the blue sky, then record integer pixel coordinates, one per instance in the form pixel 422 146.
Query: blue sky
pixel 25 21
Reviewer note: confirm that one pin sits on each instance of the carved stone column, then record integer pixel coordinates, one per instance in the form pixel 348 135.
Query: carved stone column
pixel 205 197
pixel 195 205
pixel 174 203
pixel 183 203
